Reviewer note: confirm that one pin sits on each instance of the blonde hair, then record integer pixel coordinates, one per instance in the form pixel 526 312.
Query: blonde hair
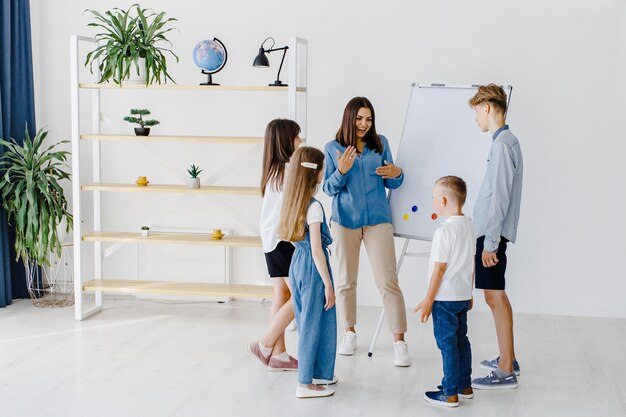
pixel 300 186
pixel 492 94
pixel 454 188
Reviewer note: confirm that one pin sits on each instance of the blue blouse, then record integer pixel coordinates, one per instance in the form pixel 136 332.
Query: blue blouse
pixel 359 196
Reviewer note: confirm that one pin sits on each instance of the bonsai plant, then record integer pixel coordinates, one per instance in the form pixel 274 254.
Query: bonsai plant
pixel 194 181
pixel 143 130
pixel 36 205
pixel 131 44
pixel 145 231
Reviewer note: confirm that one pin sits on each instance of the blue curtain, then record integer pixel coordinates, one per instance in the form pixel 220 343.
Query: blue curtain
pixel 17 112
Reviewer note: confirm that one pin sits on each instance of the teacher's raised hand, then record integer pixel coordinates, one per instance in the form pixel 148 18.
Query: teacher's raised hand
pixel 345 161
pixel 389 171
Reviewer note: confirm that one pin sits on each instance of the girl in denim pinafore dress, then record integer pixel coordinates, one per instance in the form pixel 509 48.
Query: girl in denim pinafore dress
pixel 303 223
pixel 317 344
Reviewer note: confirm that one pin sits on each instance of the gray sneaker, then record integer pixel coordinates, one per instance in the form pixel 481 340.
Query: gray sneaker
pixel 492 364
pixel 493 381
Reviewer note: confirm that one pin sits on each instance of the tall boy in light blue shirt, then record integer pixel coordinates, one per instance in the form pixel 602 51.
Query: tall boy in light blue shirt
pixel 496 214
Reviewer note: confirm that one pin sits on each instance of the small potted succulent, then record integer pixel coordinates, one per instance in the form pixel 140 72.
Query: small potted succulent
pixel 145 231
pixel 144 130
pixel 194 181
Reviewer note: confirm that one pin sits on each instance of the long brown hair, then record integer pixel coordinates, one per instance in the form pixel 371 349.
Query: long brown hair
pixel 346 135
pixel 277 150
pixel 300 187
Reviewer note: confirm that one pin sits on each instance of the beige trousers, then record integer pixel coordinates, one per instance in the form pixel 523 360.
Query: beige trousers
pixel 380 249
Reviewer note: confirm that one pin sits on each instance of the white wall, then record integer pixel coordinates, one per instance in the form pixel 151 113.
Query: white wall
pixel 565 59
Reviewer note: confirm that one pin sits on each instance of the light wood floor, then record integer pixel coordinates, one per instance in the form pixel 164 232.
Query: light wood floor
pixel 146 358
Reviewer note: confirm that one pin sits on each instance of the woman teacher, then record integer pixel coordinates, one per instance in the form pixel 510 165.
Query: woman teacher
pixel 359 168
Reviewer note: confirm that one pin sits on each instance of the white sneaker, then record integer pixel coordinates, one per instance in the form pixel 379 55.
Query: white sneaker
pixel 401 354
pixel 293 326
pixel 325 381
pixel 348 344
pixel 319 391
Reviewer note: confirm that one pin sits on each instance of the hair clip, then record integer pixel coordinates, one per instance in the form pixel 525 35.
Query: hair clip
pixel 309 165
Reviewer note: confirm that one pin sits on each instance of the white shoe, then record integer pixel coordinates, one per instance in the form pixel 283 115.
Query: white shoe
pixel 293 326
pixel 325 381
pixel 348 344
pixel 401 354
pixel 319 391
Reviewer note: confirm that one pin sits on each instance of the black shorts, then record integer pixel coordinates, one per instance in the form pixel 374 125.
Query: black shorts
pixel 491 278
pixel 279 260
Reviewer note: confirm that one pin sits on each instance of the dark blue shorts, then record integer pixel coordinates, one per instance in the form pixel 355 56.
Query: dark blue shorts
pixel 491 278
pixel 279 260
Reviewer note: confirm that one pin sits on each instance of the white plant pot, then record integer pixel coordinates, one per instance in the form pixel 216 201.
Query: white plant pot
pixel 145 233
pixel 194 182
pixel 133 77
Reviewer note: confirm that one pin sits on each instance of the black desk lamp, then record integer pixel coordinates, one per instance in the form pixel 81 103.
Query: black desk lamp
pixel 262 61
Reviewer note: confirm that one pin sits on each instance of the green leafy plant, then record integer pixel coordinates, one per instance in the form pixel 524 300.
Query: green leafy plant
pixel 139 120
pixel 150 33
pixel 145 228
pixel 126 36
pixel 194 171
pixel 33 197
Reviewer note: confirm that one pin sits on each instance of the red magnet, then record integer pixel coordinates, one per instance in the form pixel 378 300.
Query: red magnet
pixel 434 216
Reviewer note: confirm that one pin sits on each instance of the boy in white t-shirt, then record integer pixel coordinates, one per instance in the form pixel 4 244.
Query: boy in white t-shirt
pixel 449 296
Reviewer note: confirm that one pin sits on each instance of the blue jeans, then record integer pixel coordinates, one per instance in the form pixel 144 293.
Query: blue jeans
pixel 450 328
pixel 317 328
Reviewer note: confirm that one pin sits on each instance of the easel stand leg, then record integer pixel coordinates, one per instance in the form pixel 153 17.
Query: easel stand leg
pixel 382 313
pixel 380 323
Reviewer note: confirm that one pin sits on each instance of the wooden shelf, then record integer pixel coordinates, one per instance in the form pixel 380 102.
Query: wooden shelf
pixel 168 188
pixel 110 86
pixel 173 239
pixel 171 138
pixel 179 288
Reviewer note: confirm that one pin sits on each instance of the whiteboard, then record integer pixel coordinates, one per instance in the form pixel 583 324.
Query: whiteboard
pixel 440 137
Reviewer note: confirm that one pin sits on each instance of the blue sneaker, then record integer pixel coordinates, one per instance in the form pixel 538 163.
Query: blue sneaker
pixel 493 381
pixel 437 397
pixel 492 364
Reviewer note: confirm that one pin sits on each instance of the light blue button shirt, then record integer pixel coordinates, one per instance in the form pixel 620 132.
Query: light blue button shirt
pixel 359 196
pixel 497 208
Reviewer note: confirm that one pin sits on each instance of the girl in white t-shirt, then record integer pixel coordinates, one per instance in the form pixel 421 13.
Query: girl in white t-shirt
pixel 302 221
pixel 282 138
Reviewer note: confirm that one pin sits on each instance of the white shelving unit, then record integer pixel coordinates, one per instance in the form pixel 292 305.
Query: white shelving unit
pixel 296 103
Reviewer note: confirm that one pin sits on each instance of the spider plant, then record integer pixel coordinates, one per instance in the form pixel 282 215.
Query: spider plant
pixel 150 35
pixel 125 37
pixel 33 197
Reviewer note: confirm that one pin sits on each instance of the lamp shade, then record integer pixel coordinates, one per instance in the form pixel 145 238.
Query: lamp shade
pixel 261 59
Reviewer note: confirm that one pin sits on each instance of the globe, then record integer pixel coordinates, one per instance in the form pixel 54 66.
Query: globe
pixel 211 56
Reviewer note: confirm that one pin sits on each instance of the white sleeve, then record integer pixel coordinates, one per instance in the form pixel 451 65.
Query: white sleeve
pixel 440 249
pixel 315 214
